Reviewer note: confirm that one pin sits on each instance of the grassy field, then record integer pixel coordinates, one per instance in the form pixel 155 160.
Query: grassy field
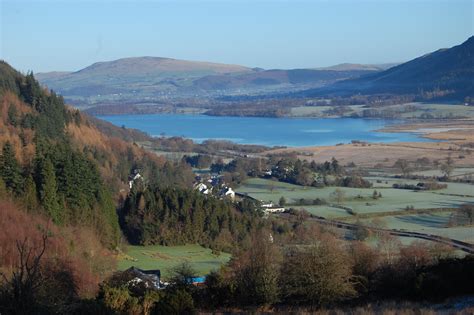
pixel 392 200
pixel 166 257
pixel 458 172
pixel 434 223
pixel 359 199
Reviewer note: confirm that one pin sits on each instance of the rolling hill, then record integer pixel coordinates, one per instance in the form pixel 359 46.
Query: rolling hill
pixel 154 78
pixel 294 78
pixel 142 75
pixel 447 73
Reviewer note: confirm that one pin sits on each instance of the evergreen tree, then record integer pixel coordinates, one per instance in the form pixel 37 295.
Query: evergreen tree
pixel 30 195
pixel 10 170
pixel 48 192
pixel 12 115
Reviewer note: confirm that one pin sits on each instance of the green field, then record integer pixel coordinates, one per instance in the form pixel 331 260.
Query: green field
pixel 458 172
pixel 392 200
pixel 166 257
pixel 433 223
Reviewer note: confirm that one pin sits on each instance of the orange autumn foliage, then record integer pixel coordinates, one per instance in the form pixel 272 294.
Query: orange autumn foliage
pixel 75 247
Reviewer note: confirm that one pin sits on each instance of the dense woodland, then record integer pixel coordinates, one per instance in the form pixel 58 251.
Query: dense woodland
pixel 173 216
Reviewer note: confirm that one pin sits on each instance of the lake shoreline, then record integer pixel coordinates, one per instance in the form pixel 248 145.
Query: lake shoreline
pixel 290 132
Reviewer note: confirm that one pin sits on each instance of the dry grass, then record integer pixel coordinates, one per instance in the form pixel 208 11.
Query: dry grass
pixel 383 154
pixel 453 133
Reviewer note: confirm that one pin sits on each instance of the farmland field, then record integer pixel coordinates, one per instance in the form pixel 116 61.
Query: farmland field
pixel 166 257
pixel 427 223
pixel 359 199
pixel 437 110
pixel 434 222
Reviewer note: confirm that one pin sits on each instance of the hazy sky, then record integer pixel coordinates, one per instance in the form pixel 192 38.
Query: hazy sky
pixel 69 35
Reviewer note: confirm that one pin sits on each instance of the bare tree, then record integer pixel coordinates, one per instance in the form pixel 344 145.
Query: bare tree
pixel 448 167
pixel 338 195
pixel 404 167
pixel 27 278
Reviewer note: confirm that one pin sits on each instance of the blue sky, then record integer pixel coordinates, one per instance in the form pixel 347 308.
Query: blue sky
pixel 46 35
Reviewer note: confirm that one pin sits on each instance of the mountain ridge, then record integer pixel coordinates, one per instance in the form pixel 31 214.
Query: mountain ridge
pixel 152 78
pixel 446 71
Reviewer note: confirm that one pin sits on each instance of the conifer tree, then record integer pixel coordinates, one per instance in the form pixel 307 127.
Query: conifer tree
pixel 48 192
pixel 30 195
pixel 10 170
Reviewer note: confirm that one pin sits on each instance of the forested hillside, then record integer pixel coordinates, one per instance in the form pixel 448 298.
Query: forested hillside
pixel 64 194
pixel 61 179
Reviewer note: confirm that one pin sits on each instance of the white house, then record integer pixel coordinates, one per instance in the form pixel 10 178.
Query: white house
pixel 202 188
pixel 274 210
pixel 227 192
pixel 137 176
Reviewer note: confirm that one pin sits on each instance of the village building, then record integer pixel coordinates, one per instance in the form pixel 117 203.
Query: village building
pixel 150 279
pixel 134 177
pixel 227 192
pixel 202 188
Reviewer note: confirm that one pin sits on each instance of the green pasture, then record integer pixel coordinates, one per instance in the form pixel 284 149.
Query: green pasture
pixel 359 199
pixel 432 223
pixel 457 172
pixel 166 257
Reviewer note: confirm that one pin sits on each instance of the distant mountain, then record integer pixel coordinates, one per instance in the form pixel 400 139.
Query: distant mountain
pixel 295 78
pixel 151 79
pixel 359 67
pixel 133 75
pixel 443 73
pixel 147 66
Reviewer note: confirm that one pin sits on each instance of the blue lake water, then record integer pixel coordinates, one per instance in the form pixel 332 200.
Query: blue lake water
pixel 264 131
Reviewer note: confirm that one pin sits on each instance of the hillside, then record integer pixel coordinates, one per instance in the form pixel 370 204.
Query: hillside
pixel 153 80
pixel 443 73
pixel 360 67
pixel 142 75
pixel 66 206
pixel 64 165
pixel 291 79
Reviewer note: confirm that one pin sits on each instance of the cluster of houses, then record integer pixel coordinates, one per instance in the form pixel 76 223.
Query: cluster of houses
pixel 214 186
pixel 151 279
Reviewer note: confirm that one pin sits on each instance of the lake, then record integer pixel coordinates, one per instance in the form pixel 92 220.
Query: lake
pixel 265 131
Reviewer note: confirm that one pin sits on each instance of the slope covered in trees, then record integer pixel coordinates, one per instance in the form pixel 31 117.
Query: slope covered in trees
pixel 39 163
pixel 61 182
pixel 172 216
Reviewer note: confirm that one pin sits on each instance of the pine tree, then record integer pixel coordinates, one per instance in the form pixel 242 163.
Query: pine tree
pixel 30 195
pixel 10 170
pixel 12 115
pixel 48 192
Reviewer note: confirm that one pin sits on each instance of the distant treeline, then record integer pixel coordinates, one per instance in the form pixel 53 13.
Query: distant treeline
pixel 290 170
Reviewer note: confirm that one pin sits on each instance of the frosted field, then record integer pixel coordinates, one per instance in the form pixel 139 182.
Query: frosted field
pixel 392 200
